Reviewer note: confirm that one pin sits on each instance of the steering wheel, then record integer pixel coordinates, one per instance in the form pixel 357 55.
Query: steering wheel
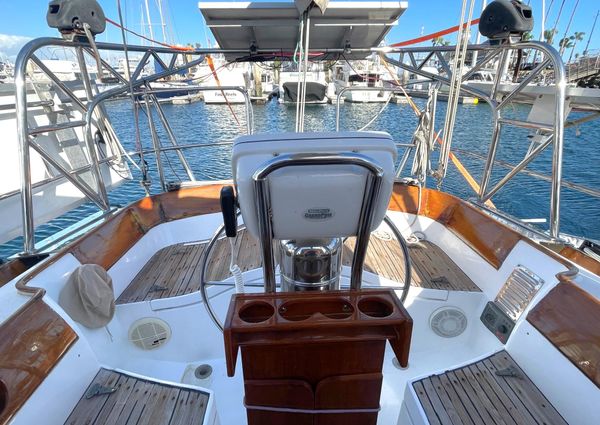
pixel 206 255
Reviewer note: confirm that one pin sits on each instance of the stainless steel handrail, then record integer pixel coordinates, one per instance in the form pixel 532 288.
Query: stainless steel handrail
pixel 261 191
pixel 491 53
pixel 89 109
pixel 557 129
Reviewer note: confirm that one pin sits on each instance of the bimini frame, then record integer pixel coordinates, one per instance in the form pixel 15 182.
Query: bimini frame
pixel 181 60
pixel 552 135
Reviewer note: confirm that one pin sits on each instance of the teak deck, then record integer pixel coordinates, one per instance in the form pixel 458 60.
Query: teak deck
pixel 138 401
pixel 476 394
pixel 175 270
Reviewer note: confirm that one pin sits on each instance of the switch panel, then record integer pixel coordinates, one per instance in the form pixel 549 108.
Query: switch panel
pixel 497 321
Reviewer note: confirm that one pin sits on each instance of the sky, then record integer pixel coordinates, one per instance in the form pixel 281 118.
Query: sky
pixel 26 19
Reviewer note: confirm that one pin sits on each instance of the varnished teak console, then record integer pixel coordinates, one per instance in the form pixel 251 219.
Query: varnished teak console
pixel 315 358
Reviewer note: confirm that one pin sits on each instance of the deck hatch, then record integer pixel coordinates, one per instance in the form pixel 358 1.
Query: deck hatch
pixel 518 291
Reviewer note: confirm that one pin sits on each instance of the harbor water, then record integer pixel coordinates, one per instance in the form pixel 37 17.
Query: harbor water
pixel 215 127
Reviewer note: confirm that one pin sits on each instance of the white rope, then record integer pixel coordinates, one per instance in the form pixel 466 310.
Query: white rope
pixel 423 145
pixel 377 115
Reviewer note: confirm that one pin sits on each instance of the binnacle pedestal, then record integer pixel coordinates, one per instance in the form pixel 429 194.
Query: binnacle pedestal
pixel 315 358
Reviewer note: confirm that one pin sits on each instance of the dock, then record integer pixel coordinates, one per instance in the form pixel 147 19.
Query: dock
pixel 424 94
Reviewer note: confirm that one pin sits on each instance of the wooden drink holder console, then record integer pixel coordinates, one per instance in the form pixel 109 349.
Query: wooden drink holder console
pixel 315 358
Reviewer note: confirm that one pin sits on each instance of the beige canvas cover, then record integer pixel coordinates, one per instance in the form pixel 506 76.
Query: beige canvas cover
pixel 88 296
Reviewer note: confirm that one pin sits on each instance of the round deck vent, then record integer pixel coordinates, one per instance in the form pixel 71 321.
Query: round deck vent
pixel 448 322
pixel 149 333
pixel 383 235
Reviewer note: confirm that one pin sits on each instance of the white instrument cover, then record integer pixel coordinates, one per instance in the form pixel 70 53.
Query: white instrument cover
pixel 315 201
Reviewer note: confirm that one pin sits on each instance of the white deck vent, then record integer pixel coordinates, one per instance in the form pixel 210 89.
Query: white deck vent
pixel 448 322
pixel 149 333
pixel 518 291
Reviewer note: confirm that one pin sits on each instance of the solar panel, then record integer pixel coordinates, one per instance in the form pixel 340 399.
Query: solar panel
pixel 275 26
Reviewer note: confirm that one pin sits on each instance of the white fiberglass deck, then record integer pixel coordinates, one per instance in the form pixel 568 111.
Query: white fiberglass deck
pixel 195 340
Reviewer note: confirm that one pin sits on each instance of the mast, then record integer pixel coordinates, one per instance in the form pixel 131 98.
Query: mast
pixel 587 45
pixel 162 21
pixel 478 39
pixel 142 25
pixel 563 48
pixel 543 20
pixel 149 20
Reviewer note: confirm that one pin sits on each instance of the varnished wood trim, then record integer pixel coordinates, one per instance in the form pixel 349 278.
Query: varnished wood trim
pixel 109 241
pixel 568 317
pixel 106 244
pixel 10 270
pixel 492 240
pixel 32 342
pixel 581 259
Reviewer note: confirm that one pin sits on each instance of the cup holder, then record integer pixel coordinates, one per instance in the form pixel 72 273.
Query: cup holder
pixel 256 312
pixel 375 307
pixel 3 396
pixel 333 309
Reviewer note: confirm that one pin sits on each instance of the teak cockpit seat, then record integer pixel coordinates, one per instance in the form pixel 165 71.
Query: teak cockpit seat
pixel 116 397
pixel 494 390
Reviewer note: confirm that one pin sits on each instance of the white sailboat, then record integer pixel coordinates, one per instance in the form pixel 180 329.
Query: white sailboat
pixel 361 74
pixel 228 76
pixel 316 86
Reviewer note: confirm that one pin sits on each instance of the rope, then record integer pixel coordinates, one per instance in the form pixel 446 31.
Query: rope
pixel 377 115
pixel 116 24
pixel 454 91
pixel 183 49
pixel 434 35
pixel 461 168
pixel 138 141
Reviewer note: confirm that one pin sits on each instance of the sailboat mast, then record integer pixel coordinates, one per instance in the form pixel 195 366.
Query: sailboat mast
pixel 142 26
pixel 149 20
pixel 162 21
pixel 543 20
pixel 563 47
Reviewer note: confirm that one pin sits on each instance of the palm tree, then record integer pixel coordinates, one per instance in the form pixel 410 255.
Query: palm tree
pixel 440 41
pixel 549 35
pixel 527 36
pixel 565 43
pixel 578 36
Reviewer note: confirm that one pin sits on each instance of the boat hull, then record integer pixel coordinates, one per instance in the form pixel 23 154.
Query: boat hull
pixel 315 92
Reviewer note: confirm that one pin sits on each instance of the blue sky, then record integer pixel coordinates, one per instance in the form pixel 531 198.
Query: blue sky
pixel 27 19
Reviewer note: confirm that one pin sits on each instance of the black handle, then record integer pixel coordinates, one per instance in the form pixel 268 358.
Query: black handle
pixel 229 211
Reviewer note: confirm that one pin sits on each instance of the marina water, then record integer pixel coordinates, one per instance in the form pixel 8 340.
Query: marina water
pixel 214 126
